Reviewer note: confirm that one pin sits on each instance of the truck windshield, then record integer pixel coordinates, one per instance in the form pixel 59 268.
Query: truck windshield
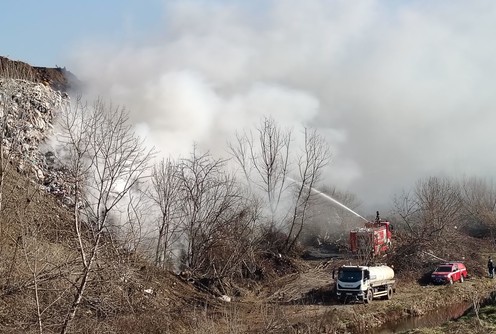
pixel 443 269
pixel 350 276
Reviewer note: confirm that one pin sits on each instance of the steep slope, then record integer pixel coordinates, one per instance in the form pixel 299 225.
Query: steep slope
pixel 40 264
pixel 57 78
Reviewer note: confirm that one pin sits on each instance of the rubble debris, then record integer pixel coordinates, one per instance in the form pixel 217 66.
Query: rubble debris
pixel 225 298
pixel 27 113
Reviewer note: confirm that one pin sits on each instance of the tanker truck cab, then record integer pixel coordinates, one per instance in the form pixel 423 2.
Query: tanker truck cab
pixel 364 283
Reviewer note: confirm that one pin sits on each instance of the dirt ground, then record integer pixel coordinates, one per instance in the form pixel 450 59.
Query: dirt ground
pixel 303 303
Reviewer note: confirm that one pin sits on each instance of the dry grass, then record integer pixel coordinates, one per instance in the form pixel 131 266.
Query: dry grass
pixel 40 264
pixel 38 256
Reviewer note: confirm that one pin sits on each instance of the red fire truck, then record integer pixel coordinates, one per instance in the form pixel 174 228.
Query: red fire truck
pixel 373 239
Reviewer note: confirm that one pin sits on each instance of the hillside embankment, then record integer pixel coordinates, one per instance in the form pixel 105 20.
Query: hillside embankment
pixel 58 78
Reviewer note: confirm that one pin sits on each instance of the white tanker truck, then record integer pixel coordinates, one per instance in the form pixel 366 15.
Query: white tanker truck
pixel 364 283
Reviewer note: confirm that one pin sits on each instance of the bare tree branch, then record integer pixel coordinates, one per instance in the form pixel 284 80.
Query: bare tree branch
pixel 107 161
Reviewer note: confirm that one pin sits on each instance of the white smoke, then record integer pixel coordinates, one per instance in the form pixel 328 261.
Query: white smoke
pixel 401 89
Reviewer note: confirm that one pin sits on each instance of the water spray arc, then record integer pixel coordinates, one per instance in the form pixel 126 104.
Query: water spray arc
pixel 330 199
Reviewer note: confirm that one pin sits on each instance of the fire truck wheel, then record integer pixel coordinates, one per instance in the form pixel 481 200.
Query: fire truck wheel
pixel 461 278
pixel 451 280
pixel 370 296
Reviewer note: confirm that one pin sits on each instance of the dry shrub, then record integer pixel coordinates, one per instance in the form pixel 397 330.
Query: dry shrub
pixel 416 259
pixel 38 254
pixel 271 240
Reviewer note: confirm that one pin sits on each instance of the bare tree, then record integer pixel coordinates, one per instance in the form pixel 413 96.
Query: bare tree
pixel 432 210
pixel 315 157
pixel 479 198
pixel 202 209
pixel 165 193
pixel 239 150
pixel 430 215
pixel 267 155
pixel 267 161
pixel 210 203
pixel 106 161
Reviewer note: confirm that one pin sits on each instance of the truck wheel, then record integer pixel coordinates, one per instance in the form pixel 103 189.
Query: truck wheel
pixel 369 297
pixel 451 280
pixel 461 278
pixel 389 293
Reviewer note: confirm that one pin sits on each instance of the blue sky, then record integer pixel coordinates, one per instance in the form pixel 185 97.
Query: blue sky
pixel 43 32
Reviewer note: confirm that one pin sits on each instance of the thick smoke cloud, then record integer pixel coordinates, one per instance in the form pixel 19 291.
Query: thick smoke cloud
pixel 402 90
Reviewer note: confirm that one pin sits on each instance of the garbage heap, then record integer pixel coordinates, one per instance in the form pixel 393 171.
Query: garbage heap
pixel 28 111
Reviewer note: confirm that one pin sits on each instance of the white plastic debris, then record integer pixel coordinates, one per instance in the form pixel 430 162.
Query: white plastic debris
pixel 225 298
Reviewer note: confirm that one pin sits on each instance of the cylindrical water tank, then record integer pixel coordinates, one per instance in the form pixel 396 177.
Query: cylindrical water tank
pixel 380 273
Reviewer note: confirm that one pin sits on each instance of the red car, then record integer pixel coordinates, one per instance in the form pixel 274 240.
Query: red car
pixel 449 272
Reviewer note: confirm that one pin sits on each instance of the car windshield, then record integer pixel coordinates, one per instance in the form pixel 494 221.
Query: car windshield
pixel 443 269
pixel 350 276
